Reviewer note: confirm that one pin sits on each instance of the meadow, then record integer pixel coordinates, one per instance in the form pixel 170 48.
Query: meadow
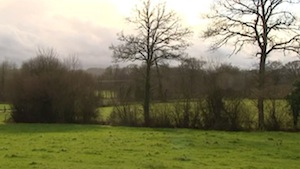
pixel 52 146
pixel 71 146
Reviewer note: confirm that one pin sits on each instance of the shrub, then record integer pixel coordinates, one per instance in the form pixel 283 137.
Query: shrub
pixel 162 116
pixel 126 115
pixel 294 101
pixel 187 114
pixel 46 91
pixel 238 116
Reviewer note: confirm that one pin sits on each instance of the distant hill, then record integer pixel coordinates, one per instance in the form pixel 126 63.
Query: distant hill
pixel 95 71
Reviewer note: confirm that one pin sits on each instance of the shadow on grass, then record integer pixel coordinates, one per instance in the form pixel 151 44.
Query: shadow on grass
pixel 15 128
pixel 19 128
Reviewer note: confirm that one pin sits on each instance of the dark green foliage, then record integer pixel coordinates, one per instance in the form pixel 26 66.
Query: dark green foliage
pixel 294 101
pixel 46 91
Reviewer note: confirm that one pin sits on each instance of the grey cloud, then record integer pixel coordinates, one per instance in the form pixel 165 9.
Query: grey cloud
pixel 200 50
pixel 88 41
pixel 13 46
pixel 26 25
pixel 22 32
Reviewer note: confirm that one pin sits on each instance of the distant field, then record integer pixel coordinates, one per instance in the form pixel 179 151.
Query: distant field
pixel 282 110
pixel 4 112
pixel 93 147
pixel 4 106
pixel 105 112
pixel 107 94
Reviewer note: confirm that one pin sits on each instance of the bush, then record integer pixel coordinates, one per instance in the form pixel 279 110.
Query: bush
pixel 225 114
pixel 186 114
pixel 161 116
pixel 126 115
pixel 294 101
pixel 238 116
pixel 46 91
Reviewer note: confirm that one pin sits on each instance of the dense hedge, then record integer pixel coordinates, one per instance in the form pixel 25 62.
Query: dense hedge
pixel 44 90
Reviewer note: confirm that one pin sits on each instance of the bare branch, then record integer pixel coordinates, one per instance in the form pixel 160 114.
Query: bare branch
pixel 159 35
pixel 262 23
pixel 248 22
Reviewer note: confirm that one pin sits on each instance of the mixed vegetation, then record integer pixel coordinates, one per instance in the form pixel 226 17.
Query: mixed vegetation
pixel 171 101
pixel 193 94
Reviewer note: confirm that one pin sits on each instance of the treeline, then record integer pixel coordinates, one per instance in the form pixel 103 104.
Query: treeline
pixel 194 94
pixel 197 94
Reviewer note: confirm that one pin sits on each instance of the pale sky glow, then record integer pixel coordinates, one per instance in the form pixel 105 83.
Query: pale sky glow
pixel 86 28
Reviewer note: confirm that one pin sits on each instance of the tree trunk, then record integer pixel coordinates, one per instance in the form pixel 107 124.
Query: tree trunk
pixel 260 107
pixel 147 120
pixel 261 86
pixel 295 124
pixel 295 119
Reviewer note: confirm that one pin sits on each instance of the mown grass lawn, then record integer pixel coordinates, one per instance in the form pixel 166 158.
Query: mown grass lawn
pixel 93 146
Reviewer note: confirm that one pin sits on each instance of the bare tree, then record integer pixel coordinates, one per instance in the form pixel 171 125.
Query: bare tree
pixel 266 24
pixel 72 62
pixel 159 36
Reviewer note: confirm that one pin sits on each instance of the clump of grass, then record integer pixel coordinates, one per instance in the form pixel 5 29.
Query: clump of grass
pixel 182 158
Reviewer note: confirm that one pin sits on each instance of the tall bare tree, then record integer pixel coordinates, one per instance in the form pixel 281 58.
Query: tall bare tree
pixel 159 35
pixel 268 25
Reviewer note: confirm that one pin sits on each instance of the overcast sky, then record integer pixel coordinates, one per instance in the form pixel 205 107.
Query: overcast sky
pixel 88 27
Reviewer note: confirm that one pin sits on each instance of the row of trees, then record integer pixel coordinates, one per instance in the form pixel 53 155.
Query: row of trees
pixel 197 94
pixel 264 24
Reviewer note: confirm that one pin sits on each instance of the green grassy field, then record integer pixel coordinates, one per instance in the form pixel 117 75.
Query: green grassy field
pixel 92 146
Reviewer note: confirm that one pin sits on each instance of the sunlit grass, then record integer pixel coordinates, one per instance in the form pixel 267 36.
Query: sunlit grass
pixel 104 113
pixel 5 111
